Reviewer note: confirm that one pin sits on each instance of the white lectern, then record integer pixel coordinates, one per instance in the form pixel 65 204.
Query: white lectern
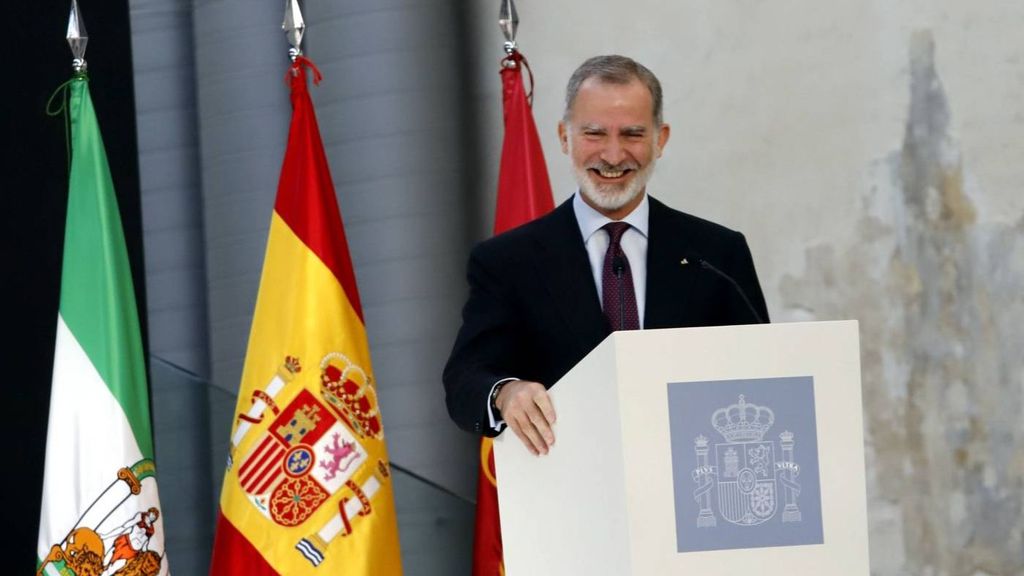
pixel 723 450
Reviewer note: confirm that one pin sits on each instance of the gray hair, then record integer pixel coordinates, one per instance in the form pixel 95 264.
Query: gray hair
pixel 614 69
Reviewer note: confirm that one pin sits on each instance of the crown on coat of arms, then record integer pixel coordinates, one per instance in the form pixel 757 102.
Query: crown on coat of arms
pixel 347 388
pixel 743 422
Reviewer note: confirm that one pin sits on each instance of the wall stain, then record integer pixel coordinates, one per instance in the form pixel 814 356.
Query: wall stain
pixel 939 293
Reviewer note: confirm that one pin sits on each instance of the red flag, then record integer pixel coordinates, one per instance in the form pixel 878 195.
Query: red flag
pixel 524 193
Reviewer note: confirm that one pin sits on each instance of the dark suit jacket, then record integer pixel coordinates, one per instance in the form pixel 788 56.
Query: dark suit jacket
pixel 533 310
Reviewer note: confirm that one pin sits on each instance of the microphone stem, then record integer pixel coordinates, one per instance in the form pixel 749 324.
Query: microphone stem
pixel 708 266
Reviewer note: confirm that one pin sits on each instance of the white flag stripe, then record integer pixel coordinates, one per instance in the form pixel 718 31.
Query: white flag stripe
pixel 88 440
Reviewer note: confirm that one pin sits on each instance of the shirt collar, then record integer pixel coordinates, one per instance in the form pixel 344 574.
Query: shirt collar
pixel 591 220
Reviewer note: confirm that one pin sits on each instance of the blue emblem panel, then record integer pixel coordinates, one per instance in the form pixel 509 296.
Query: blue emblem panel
pixel 745 463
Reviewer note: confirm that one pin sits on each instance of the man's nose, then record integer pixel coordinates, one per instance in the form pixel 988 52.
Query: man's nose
pixel 613 152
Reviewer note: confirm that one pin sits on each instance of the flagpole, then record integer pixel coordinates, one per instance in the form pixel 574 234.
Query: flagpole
pixel 524 193
pixel 77 39
pixel 508 21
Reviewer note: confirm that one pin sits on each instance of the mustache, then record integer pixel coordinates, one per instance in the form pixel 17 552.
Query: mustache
pixel 607 167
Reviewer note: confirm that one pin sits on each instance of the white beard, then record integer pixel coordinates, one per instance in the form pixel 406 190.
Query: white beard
pixel 612 197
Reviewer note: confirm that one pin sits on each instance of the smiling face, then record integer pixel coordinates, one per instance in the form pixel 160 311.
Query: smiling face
pixel 611 136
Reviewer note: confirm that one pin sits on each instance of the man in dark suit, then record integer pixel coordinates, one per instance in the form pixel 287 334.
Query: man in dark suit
pixel 611 258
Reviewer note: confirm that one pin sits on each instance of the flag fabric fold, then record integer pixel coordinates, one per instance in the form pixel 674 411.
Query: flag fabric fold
pixel 524 190
pixel 308 487
pixel 100 507
pixel 524 193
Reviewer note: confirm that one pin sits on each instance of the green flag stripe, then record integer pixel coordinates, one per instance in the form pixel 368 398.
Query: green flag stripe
pixel 97 300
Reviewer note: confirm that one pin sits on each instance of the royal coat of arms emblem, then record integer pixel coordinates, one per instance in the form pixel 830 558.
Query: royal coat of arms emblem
pixel 746 474
pixel 313 451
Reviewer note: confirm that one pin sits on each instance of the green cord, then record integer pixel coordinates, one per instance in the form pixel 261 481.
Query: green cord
pixel 62 90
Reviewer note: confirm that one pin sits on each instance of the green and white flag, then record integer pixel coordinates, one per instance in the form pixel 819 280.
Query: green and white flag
pixel 101 511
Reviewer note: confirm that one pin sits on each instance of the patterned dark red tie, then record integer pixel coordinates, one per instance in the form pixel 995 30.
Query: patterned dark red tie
pixel 618 295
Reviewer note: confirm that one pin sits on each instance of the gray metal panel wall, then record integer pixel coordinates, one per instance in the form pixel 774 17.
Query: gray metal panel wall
pixel 243 112
pixel 169 175
pixel 164 74
pixel 243 124
pixel 391 114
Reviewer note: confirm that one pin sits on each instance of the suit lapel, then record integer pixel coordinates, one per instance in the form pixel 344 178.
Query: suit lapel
pixel 669 279
pixel 564 270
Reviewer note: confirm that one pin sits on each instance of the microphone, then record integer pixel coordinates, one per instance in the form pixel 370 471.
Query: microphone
pixel 618 268
pixel 708 266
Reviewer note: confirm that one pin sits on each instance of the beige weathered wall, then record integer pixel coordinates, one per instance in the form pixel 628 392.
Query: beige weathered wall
pixel 872 153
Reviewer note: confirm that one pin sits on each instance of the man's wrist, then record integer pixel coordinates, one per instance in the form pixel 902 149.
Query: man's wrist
pixel 494 400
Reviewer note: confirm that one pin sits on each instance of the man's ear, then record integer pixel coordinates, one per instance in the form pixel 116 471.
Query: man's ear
pixel 563 136
pixel 664 131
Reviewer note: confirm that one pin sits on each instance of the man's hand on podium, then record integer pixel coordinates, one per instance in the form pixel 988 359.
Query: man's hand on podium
pixel 527 409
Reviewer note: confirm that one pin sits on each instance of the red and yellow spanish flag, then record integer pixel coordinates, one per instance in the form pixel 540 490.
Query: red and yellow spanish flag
pixel 308 485
pixel 524 193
